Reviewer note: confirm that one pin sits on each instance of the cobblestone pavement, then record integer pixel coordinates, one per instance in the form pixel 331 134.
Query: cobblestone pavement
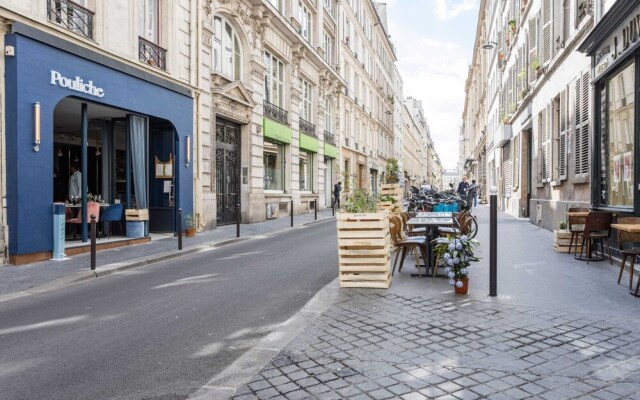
pixel 380 345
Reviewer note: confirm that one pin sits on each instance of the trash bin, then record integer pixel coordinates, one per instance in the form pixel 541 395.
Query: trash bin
pixel 58 231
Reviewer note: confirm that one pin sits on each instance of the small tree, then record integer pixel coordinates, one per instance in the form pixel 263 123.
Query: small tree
pixel 391 171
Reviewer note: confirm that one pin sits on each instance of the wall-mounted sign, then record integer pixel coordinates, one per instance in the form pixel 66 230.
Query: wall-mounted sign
pixel 625 35
pixel 77 84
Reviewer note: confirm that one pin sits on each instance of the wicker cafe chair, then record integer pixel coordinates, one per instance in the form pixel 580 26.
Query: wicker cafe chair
pixel 597 227
pixel 576 226
pixel 403 244
pixel 626 253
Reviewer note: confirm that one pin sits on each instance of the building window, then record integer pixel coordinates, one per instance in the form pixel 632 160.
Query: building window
pixel 305 21
pixel 150 20
pixel 618 160
pixel 328 5
pixel 328 116
pixel 306 104
pixel 277 4
pixel 227 54
pixel 327 47
pixel 273 80
pixel 306 169
pixel 273 161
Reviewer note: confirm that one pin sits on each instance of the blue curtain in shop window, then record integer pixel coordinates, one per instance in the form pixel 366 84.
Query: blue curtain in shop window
pixel 138 147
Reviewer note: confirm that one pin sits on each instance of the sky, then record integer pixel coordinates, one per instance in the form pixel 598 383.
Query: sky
pixel 434 45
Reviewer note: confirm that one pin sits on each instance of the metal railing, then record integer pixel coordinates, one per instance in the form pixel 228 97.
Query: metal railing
pixel 276 113
pixel 307 127
pixel 152 54
pixel 329 138
pixel 72 16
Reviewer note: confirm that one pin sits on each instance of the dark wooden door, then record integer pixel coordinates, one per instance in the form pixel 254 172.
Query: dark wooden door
pixel 227 171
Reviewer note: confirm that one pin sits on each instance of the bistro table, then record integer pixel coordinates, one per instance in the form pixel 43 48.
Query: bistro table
pixel 632 228
pixel 431 223
pixel 439 214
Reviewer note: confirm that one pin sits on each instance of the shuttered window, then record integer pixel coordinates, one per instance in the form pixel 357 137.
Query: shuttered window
pixel 563 119
pixel 547 31
pixel 581 132
pixel 545 139
pixel 506 170
pixel 533 47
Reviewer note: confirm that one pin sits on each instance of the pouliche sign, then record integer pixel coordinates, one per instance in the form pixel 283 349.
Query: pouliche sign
pixel 77 84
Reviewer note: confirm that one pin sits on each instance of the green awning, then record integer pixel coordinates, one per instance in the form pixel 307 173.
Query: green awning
pixel 309 143
pixel 275 131
pixel 330 151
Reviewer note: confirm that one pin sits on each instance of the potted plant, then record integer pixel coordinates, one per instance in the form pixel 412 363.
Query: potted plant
pixel 386 202
pixel 455 253
pixel 563 226
pixel 391 187
pixel 190 225
pixel 512 25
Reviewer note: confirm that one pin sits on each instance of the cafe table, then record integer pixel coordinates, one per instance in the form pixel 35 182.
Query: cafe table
pixel 438 214
pixel 431 224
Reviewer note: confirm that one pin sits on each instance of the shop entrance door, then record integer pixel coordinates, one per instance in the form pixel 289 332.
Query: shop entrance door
pixel 162 181
pixel 227 171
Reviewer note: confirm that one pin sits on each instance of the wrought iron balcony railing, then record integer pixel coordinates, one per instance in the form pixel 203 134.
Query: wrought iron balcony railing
pixel 72 16
pixel 329 138
pixel 152 54
pixel 307 127
pixel 276 113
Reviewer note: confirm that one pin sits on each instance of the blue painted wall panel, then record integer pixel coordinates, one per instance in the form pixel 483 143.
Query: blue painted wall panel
pixel 30 174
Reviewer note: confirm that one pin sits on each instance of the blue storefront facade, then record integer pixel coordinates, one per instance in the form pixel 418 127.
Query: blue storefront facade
pixel 46 70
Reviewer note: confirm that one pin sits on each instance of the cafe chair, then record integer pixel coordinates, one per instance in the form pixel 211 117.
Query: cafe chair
pixel 92 208
pixel 403 244
pixel 112 213
pixel 631 238
pixel 576 226
pixel 597 228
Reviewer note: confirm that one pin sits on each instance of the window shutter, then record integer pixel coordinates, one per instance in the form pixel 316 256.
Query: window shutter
pixel 562 142
pixel 547 34
pixel 549 149
pixel 582 125
pixel 543 144
pixel 533 46
pixel 558 22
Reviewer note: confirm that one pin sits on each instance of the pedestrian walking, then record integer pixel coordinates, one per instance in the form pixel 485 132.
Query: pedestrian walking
pixel 462 187
pixel 472 193
pixel 337 188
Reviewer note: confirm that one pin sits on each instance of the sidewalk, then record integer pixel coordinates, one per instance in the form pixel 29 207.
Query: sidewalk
pixel 17 279
pixel 560 329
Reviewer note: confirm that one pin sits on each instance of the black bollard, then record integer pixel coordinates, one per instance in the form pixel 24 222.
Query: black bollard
pixel 179 228
pixel 238 220
pixel 292 213
pixel 493 242
pixel 315 209
pixel 93 242
pixel 333 211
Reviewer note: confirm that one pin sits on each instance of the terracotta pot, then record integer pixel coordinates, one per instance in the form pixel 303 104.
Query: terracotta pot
pixel 190 232
pixel 465 286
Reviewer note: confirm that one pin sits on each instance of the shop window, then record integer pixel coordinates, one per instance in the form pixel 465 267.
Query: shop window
pixel 274 80
pixel 273 162
pixel 618 160
pixel 306 171
pixel 227 52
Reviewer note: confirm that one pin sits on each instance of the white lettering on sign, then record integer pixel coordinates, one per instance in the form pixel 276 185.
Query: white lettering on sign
pixel 76 84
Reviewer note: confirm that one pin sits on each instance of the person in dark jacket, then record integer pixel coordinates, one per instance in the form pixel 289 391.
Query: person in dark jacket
pixel 462 188
pixel 337 188
pixel 472 193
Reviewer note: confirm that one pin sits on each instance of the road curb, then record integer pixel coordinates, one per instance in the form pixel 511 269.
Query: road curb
pixel 116 267
pixel 228 381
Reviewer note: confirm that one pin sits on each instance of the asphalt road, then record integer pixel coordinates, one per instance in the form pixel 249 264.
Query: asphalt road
pixel 160 332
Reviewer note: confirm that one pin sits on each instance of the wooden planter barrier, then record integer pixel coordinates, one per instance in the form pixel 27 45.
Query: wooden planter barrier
pixel 364 244
pixel 392 189
pixel 388 206
pixel 561 240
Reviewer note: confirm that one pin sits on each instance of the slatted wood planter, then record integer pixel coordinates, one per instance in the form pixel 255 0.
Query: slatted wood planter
pixel 392 189
pixel 388 206
pixel 561 240
pixel 364 244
